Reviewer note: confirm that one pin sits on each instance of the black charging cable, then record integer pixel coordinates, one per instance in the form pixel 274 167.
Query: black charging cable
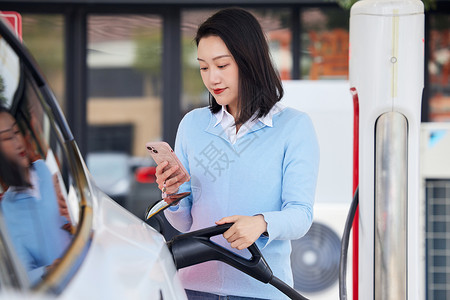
pixel 286 289
pixel 196 247
pixel 344 247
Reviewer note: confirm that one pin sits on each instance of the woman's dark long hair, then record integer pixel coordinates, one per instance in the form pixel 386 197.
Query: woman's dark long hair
pixel 259 84
pixel 10 173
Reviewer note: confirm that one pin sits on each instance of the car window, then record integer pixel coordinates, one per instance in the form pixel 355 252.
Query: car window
pixel 40 171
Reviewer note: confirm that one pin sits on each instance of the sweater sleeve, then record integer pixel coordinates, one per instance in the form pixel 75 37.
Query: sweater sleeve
pixel 179 216
pixel 300 170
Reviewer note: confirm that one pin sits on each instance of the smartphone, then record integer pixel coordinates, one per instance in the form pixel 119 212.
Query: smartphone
pixel 161 151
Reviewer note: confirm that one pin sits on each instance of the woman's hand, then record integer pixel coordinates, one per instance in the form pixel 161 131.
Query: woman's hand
pixel 245 230
pixel 52 266
pixel 62 205
pixel 165 179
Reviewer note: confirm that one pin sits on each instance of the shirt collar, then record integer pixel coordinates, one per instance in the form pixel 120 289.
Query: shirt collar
pixel 266 120
pixel 220 114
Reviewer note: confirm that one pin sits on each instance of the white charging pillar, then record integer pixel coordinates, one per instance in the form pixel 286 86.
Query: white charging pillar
pixel 386 73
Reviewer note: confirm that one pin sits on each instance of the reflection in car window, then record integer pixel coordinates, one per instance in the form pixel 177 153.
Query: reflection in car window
pixel 30 204
pixel 40 215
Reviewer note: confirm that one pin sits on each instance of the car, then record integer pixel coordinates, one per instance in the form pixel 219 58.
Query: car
pixel 63 237
pixel 110 253
pixel 112 173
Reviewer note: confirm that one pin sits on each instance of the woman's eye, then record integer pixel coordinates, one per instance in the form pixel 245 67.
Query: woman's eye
pixel 6 137
pixel 203 69
pixel 222 66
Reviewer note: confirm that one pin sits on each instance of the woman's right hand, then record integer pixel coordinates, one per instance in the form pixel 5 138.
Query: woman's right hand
pixel 168 179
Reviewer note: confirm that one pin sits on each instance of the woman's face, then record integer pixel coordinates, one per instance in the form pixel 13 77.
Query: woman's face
pixel 12 143
pixel 219 71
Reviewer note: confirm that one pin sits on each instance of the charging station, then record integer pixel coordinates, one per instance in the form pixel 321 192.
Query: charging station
pixel 387 79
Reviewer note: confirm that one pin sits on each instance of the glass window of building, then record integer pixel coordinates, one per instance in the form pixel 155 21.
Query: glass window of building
pixel 324 40
pixel 439 68
pixel 124 108
pixel 276 23
pixel 44 37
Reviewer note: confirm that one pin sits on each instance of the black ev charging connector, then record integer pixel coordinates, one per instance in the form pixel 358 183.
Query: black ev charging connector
pixel 344 247
pixel 196 247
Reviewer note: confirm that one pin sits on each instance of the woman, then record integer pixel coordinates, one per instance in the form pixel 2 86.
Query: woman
pixel 252 161
pixel 29 206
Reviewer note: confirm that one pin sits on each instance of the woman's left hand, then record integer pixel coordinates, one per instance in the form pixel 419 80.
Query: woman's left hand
pixel 245 230
pixel 63 209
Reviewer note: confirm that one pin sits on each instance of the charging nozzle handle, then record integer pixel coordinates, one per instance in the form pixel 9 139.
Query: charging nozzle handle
pixel 196 247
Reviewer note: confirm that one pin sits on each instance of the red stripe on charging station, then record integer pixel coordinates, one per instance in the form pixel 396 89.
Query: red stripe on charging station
pixel 355 227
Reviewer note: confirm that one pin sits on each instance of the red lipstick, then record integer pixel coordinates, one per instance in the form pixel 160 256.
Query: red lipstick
pixel 218 91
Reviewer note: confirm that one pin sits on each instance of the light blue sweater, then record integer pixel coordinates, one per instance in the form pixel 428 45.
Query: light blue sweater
pixel 270 171
pixel 34 224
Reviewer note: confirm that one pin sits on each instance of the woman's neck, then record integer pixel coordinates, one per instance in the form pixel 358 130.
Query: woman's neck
pixel 232 110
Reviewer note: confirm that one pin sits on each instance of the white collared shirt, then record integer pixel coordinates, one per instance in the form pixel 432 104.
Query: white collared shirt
pixel 226 120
